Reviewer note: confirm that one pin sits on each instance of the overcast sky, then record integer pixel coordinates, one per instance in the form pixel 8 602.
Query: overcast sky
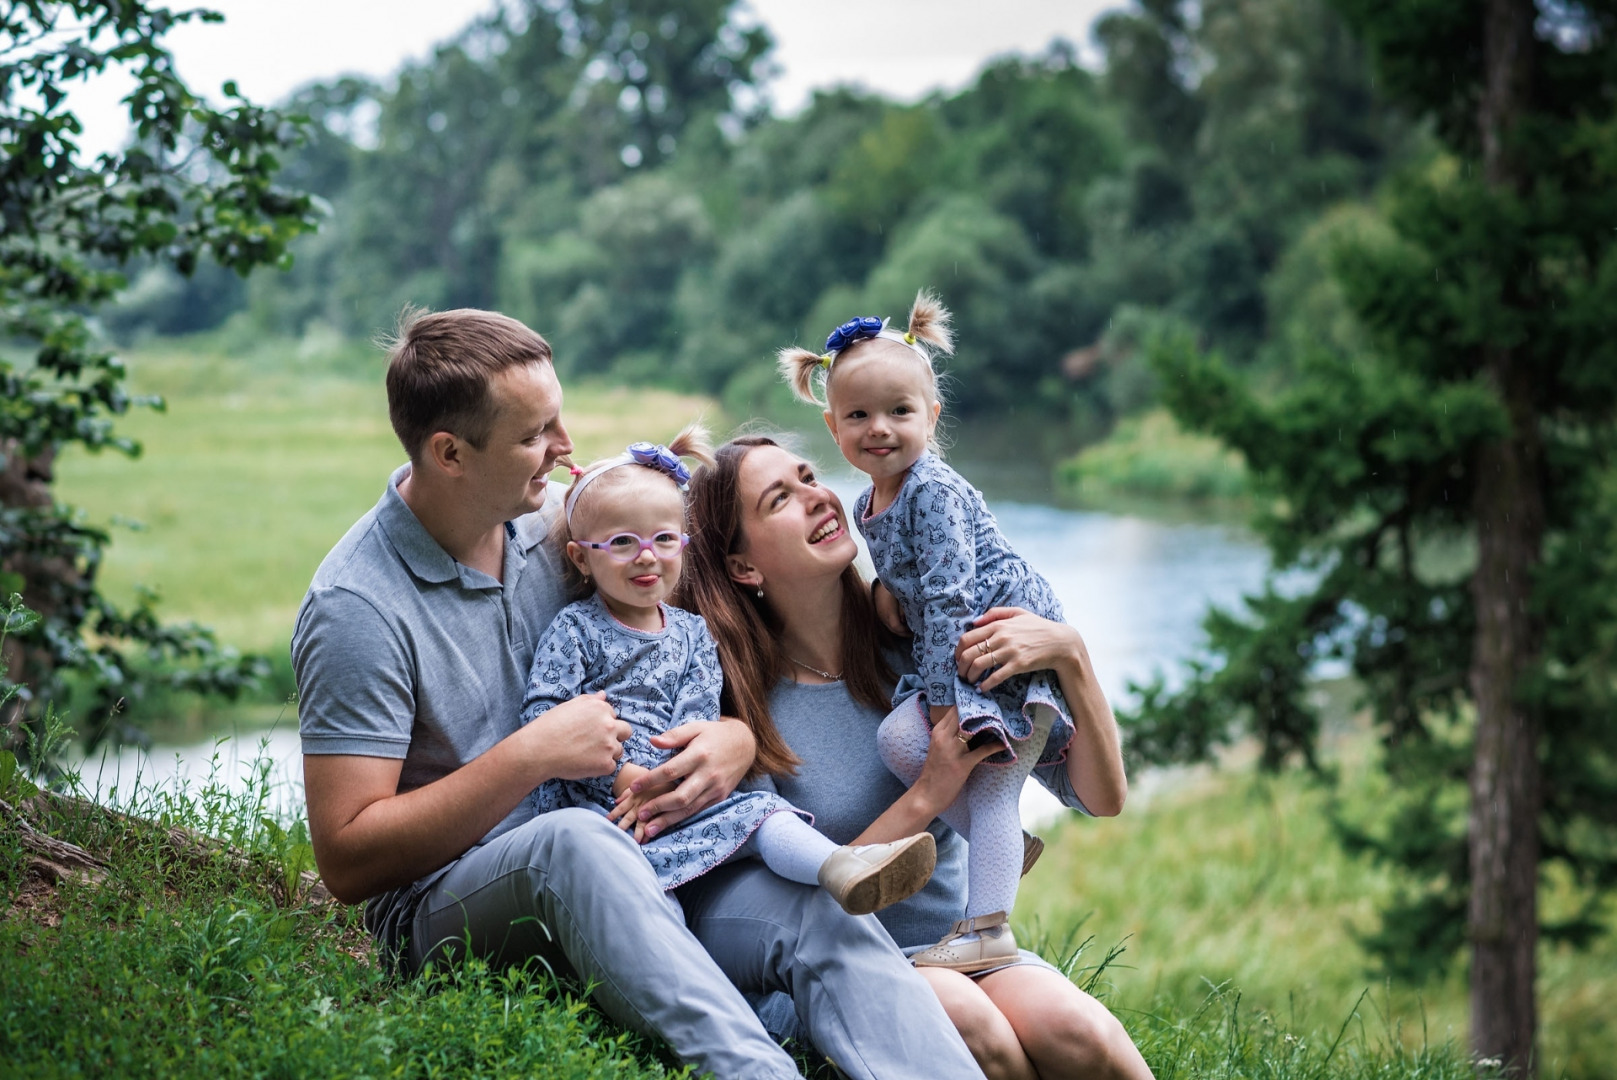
pixel 901 48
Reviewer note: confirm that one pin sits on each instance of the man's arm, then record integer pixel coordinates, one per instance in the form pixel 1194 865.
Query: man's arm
pixel 368 838
pixel 357 711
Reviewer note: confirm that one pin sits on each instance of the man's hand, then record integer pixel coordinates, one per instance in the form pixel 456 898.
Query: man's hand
pixel 710 760
pixel 577 739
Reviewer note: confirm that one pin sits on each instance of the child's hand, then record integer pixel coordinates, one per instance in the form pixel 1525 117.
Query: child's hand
pixel 625 810
pixel 887 610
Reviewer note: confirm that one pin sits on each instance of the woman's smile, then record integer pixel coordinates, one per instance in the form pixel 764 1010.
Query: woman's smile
pixel 828 529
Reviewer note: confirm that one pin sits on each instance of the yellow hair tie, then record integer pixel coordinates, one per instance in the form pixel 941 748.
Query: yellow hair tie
pixel 825 361
pixel 909 338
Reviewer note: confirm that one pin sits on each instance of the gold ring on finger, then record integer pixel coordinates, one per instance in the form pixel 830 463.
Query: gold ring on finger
pixel 982 647
pixel 963 737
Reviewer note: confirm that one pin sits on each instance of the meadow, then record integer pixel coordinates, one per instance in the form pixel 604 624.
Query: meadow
pixel 1233 907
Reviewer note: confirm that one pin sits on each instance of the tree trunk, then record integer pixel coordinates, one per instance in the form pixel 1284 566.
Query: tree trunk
pixel 1505 796
pixel 25 484
pixel 1502 922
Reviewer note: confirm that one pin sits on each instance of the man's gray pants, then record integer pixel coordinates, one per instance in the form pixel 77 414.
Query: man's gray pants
pixel 570 888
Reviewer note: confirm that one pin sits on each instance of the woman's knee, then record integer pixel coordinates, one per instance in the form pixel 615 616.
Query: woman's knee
pixel 1066 1032
pixel 985 1030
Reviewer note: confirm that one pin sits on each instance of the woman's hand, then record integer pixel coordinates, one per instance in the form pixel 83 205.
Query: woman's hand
pixel 949 762
pixel 710 760
pixel 1009 641
pixel 625 812
pixel 1006 641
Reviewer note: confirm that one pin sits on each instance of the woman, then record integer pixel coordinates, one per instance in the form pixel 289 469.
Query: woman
pixel 771 570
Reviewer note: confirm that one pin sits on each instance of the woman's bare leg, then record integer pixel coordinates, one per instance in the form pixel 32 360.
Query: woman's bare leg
pixel 1065 1032
pixel 989 1036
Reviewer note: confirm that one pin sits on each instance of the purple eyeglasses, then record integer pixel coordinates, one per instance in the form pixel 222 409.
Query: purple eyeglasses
pixel 627 546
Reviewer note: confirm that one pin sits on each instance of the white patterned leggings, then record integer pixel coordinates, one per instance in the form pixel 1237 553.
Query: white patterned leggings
pixel 988 810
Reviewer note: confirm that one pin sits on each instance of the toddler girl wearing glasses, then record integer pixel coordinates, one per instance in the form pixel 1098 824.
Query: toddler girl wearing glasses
pixel 940 553
pixel 625 533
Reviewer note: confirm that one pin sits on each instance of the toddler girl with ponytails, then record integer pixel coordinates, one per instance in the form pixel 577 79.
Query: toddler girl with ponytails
pixel 939 552
pixel 624 529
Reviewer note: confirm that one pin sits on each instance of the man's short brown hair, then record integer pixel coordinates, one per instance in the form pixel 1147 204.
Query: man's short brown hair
pixel 440 365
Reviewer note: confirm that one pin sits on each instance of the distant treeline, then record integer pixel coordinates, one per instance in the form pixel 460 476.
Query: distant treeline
pixel 603 171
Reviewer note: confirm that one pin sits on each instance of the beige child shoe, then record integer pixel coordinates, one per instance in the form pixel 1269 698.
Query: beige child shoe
pixel 871 876
pixel 995 945
pixel 1032 848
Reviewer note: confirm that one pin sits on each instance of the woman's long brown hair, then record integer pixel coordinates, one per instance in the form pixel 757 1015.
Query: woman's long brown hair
pixel 747 630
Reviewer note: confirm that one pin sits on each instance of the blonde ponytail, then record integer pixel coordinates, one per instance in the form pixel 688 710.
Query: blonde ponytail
pixel 695 442
pixel 929 323
pixel 800 368
pixel 809 373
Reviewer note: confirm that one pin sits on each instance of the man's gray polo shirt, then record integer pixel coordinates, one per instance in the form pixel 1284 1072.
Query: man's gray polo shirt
pixel 401 652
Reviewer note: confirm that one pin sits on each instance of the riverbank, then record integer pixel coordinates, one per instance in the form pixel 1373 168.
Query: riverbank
pixel 1150 458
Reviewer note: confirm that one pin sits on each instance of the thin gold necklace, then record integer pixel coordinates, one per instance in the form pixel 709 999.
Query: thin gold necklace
pixel 810 667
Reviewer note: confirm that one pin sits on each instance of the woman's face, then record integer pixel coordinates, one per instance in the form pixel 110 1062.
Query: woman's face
pixel 793 529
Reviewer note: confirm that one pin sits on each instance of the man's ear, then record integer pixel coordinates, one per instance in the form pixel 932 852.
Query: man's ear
pixel 743 572
pixel 445 453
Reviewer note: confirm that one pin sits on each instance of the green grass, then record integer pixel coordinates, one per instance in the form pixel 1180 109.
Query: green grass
pixel 220 964
pixel 259 465
pixel 1150 457
pixel 1234 883
pixel 208 965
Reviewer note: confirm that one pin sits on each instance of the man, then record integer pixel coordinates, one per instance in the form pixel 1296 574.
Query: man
pixel 412 650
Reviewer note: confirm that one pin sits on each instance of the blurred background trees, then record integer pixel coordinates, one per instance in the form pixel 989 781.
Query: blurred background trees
pixel 607 172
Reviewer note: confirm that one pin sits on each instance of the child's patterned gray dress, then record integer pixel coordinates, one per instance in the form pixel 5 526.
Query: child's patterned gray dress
pixel 940 553
pixel 655 681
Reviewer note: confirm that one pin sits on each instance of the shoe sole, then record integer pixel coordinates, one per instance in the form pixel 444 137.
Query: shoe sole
pixel 898 877
pixel 1032 848
pixel 967 967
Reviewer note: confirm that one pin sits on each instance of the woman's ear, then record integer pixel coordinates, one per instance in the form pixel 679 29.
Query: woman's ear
pixel 577 556
pixel 743 572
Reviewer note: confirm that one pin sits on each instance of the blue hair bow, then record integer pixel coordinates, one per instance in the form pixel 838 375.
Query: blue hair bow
pixel 659 457
pixel 851 331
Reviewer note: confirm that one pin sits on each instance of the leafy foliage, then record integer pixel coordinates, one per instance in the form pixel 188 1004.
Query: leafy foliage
pixel 197 181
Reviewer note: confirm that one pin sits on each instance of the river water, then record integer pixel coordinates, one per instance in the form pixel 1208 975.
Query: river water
pixel 1135 586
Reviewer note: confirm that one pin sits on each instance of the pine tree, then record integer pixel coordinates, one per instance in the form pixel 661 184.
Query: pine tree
pixel 1449 493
